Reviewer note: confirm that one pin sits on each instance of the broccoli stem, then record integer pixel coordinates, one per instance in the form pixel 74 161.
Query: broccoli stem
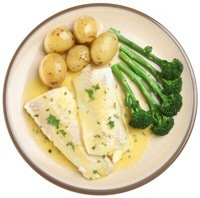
pixel 139 82
pixel 130 97
pixel 142 73
pixel 170 70
pixel 139 59
pixel 161 124
pixel 128 42
pixel 169 86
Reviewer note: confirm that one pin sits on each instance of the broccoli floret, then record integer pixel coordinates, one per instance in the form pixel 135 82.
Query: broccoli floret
pixel 139 117
pixel 170 104
pixel 170 70
pixel 169 86
pixel 161 124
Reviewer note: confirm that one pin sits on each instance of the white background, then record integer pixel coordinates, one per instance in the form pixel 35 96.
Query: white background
pixel 18 18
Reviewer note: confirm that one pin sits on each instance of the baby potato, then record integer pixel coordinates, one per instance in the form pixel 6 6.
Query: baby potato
pixel 78 57
pixel 59 40
pixel 52 70
pixel 104 48
pixel 85 29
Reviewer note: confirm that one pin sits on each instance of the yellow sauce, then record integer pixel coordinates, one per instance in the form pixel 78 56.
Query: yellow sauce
pixel 140 138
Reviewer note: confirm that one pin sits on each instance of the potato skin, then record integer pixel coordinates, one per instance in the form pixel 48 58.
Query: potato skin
pixel 59 40
pixel 78 57
pixel 85 29
pixel 104 48
pixel 52 70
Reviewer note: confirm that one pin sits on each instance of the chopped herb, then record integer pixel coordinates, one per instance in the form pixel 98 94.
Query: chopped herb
pixel 115 105
pixel 104 144
pixel 135 140
pixel 105 91
pixel 62 132
pixel 50 151
pixel 103 156
pixel 36 115
pixel 97 136
pixel 109 118
pixel 143 133
pixel 72 145
pixel 129 156
pixel 93 148
pixel 111 124
pixel 95 171
pixel 98 161
pixel 52 120
pixel 116 116
pixel 47 109
pixel 69 112
pixel 98 122
pixel 90 93
pixel 96 87
pixel 65 93
pixel 91 90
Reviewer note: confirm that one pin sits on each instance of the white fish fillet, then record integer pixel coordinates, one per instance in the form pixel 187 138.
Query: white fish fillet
pixel 55 112
pixel 104 130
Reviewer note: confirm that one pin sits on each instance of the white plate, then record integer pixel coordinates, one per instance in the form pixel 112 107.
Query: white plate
pixel 162 151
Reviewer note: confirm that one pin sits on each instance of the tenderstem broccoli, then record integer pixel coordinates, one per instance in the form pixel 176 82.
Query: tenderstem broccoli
pixel 170 70
pixel 169 86
pixel 161 124
pixel 170 104
pixel 139 117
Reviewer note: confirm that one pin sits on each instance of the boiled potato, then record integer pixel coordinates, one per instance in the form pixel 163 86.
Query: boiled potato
pixel 59 40
pixel 85 29
pixel 52 70
pixel 104 48
pixel 78 57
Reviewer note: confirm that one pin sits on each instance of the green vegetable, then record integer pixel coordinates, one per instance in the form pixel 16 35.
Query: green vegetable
pixel 170 104
pixel 91 91
pixel 52 120
pixel 161 124
pixel 72 145
pixel 170 70
pixel 139 117
pixel 62 132
pixel 111 124
pixel 96 87
pixel 169 86
pixel 95 171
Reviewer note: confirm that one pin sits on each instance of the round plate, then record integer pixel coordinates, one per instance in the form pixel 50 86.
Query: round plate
pixel 161 152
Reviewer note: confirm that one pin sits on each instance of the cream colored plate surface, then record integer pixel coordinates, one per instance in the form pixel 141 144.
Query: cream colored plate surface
pixel 162 151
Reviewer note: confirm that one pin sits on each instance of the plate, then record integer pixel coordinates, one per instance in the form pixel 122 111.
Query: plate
pixel 162 151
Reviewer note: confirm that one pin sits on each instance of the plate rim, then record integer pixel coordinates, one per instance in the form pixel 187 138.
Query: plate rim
pixel 120 189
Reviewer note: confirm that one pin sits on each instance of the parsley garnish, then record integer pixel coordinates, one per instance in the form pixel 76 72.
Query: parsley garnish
pixel 96 87
pixel 111 124
pixel 95 171
pixel 62 132
pixel 72 145
pixel 91 91
pixel 52 120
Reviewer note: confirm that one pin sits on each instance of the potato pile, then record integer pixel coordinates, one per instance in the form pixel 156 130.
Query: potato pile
pixel 81 47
